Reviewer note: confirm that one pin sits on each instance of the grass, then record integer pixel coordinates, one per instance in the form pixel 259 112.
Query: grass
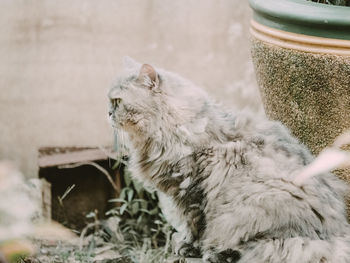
pixel 135 231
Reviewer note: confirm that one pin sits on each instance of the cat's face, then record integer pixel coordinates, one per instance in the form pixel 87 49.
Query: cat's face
pixel 135 102
pixel 149 103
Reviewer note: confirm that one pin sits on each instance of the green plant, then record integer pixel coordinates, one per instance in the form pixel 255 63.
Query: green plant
pixel 333 2
pixel 135 230
pixel 145 231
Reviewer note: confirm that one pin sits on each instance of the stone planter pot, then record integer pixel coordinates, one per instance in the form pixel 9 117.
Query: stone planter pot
pixel 301 54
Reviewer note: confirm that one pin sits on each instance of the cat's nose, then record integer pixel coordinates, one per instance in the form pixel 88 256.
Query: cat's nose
pixel 110 113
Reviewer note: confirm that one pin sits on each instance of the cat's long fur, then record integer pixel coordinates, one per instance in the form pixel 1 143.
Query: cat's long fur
pixel 230 176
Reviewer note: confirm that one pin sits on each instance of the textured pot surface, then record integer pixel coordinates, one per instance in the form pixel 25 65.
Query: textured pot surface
pixel 304 79
pixel 308 92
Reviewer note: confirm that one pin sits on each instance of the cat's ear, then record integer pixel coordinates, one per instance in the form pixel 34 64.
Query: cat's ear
pixel 130 64
pixel 148 76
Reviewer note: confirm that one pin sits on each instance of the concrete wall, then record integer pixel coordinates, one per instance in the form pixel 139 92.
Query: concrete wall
pixel 59 58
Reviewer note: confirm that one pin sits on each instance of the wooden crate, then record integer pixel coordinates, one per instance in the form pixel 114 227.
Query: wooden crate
pixel 79 183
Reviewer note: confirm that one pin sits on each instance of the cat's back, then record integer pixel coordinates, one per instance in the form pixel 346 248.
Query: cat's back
pixel 264 144
pixel 263 161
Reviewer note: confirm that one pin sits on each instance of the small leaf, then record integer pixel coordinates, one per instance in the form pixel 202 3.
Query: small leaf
pixel 154 195
pixel 135 208
pixel 126 228
pixel 90 215
pixel 130 194
pixel 138 187
pixel 154 211
pixel 139 219
pixel 120 200
pixel 140 200
pixel 123 193
pixel 145 211
pixel 113 211
pixel 127 178
pixel 123 208
pixel 116 164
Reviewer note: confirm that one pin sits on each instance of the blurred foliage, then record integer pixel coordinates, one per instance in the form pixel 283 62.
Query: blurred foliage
pixel 333 2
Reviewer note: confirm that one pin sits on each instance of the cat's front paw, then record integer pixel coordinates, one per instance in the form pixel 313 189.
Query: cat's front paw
pixel 188 250
pixel 226 256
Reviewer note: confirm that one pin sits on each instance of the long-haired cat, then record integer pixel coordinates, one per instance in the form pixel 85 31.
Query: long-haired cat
pixel 230 176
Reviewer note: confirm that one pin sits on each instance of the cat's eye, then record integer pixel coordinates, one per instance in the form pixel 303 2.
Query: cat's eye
pixel 116 102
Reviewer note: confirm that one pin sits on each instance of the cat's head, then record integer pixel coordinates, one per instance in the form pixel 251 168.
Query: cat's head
pixel 148 102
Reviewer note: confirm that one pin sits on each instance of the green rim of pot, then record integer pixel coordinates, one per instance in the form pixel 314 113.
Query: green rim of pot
pixel 303 17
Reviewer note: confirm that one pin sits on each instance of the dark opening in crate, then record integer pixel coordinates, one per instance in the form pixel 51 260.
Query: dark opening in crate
pixel 79 183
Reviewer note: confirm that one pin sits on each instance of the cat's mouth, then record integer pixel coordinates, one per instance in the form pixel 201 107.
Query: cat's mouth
pixel 115 122
pixel 129 125
pixel 125 126
pixel 116 125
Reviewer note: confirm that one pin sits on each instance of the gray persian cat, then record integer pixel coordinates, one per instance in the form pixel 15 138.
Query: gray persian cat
pixel 229 176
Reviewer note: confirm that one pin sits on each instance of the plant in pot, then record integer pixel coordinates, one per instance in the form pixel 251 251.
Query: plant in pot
pixel 301 54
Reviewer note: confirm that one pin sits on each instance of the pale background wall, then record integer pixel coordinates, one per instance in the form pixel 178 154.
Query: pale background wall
pixel 59 58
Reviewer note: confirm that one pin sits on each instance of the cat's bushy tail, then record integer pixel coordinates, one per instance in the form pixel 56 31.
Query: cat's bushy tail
pixel 298 250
